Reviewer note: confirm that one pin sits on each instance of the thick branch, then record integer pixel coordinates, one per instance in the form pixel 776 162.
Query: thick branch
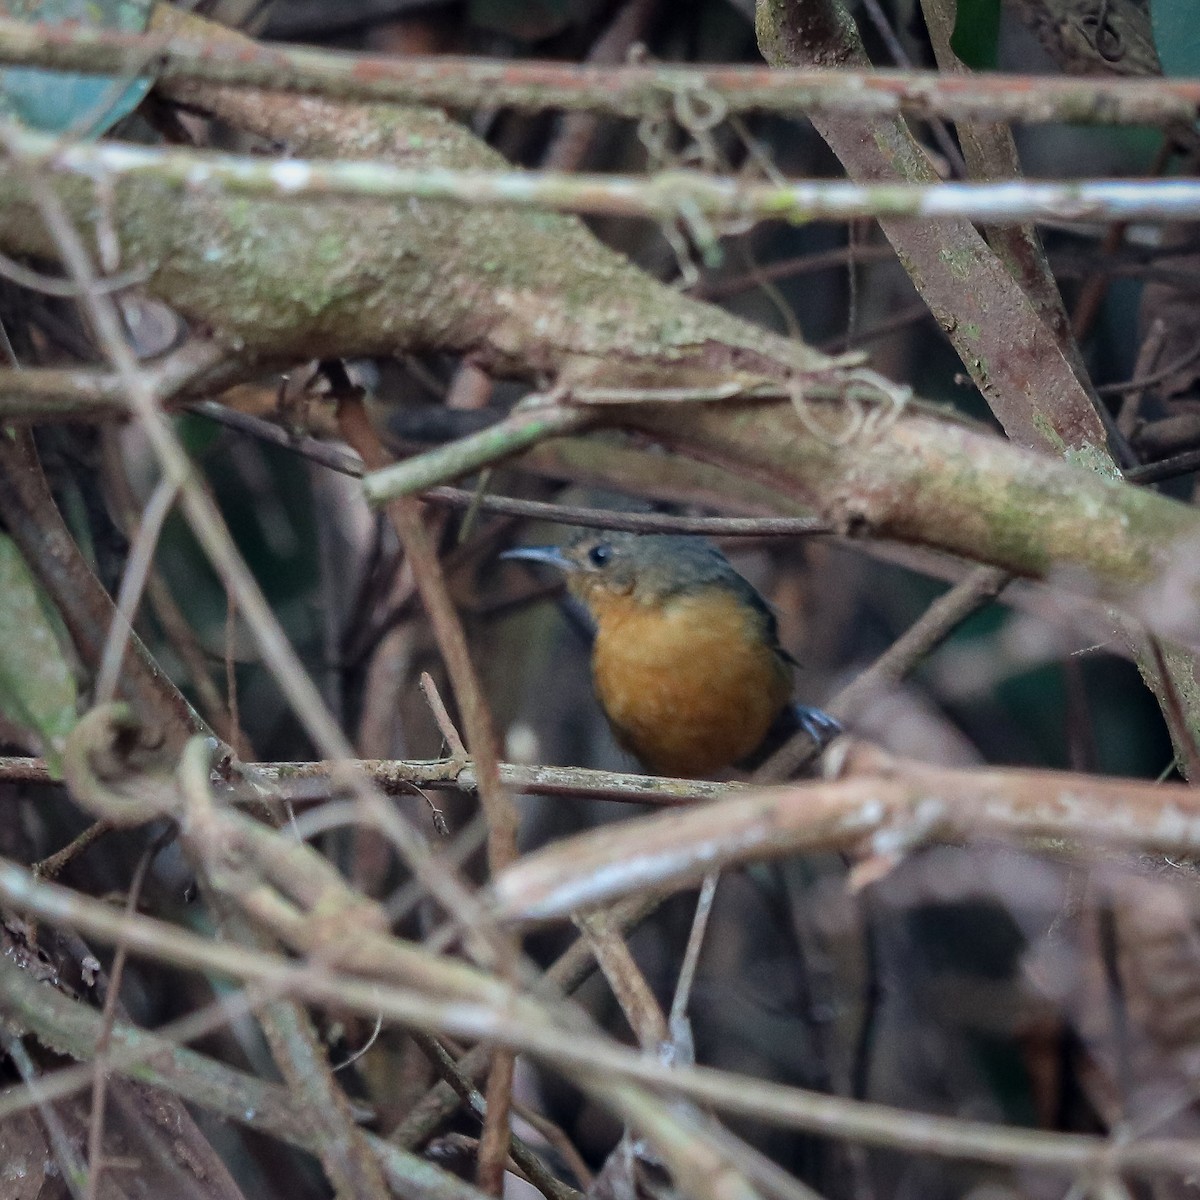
pixel 927 482
pixel 879 805
pixel 978 498
pixel 524 294
pixel 991 154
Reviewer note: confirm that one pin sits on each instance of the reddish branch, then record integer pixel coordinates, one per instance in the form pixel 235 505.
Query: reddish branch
pixel 630 91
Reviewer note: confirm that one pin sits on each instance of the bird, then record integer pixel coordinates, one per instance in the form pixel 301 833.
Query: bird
pixel 686 660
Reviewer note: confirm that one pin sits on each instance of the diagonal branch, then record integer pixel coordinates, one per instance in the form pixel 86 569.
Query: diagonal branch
pixel 1013 358
pixel 35 523
pixel 498 808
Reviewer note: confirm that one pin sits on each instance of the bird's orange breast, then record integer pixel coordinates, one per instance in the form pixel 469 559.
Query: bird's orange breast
pixel 690 686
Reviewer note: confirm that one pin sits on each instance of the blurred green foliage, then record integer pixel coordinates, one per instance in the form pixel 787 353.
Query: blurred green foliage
pixel 37 685
pixel 976 36
pixel 62 101
pixel 1176 25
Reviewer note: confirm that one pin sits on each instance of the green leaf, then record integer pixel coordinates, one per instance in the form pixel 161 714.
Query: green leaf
pixel 1176 26
pixel 61 101
pixel 976 33
pixel 37 687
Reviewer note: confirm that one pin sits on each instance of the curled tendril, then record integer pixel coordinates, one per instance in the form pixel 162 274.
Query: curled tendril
pixel 701 230
pixel 102 769
pixel 654 133
pixel 824 434
pixel 887 402
pixel 871 408
pixel 698 109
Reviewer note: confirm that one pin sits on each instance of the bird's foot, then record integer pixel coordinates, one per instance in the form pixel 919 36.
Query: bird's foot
pixel 819 725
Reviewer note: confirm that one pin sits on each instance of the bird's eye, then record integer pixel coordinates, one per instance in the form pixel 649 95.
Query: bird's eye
pixel 599 555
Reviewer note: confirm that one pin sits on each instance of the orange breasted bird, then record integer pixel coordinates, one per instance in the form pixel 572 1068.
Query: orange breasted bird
pixel 686 661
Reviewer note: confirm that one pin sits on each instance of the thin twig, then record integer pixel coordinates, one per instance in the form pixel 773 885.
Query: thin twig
pixel 1166 468
pixel 631 91
pixel 1137 384
pixel 929 631
pixel 526 1158
pixel 789 268
pixel 338 459
pixel 625 978
pixel 129 596
pixel 1182 735
pixel 497 805
pixel 681 1038
pixel 566 973
pixel 572 139
pixel 910 315
pixel 767 1174
pixel 231 684
pixel 560 1140
pixel 590 1057
pixel 520 430
pixel 1147 356
pixel 440 715
pixel 107 1019
pixel 74 1173
pixel 24 277
pixel 946 143
pixel 175 626
pixel 35 523
pixel 53 866
pixel 304 783
pixel 711 197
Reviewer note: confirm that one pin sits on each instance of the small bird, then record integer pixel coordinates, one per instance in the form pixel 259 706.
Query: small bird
pixel 686 661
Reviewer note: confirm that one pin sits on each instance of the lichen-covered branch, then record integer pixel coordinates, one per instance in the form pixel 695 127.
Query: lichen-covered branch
pixel 924 481
pixel 522 293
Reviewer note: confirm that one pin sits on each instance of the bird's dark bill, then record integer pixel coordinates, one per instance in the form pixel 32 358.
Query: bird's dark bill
pixel 551 556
